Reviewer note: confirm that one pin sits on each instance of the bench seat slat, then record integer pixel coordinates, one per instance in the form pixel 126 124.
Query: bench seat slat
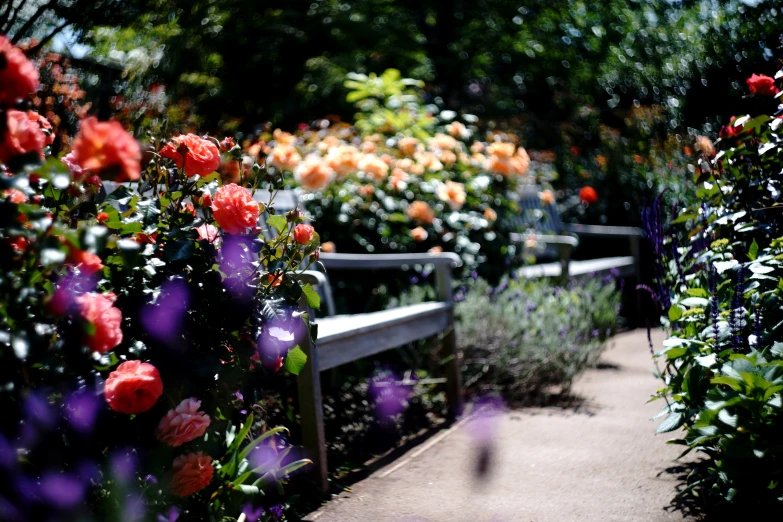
pixel 347 338
pixel 625 264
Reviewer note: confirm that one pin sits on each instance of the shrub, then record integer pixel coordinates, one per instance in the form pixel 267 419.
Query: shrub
pixel 141 328
pixel 528 338
pixel 720 284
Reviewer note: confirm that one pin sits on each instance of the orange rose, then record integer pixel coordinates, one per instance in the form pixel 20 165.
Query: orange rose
pixel 420 211
pixel 191 473
pixel 18 75
pixel 182 424
pixel 106 146
pixel 490 215
pixel 15 196
pixel 374 167
pixel 105 318
pixel 234 209
pixel 501 149
pixel 407 145
pixel 443 142
pixel 22 135
pixel 313 173
pixel 328 247
pixel 343 160
pixel 284 157
pixel 452 193
pixel 202 156
pixel 547 197
pixel 134 387
pixel 87 263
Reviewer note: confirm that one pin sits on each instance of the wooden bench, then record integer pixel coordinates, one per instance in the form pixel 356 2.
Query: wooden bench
pixel 343 339
pixel 548 229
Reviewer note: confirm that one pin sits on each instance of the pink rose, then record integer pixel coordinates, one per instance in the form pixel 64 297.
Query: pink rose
pixel 191 473
pixel 22 135
pixel 182 424
pixel 18 76
pixel 207 232
pixel 234 209
pixel 105 146
pixel 105 318
pixel 762 85
pixel 303 233
pixel 134 387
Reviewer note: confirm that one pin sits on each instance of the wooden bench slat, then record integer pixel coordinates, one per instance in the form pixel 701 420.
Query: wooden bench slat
pixel 343 339
pixel 625 264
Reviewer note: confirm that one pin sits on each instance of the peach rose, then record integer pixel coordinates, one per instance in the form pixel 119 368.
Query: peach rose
pixel 374 167
pixel 303 233
pixel 367 190
pixel 22 135
pixel 477 147
pixel 419 234
pixel 420 211
pixel 134 387
pixel 503 150
pixel 18 75
pixel 191 473
pixel 343 160
pixel 447 157
pixel 407 145
pixel 452 193
pixel 106 146
pixel 521 161
pixel 429 161
pixel 443 142
pixel 437 249
pixel 201 155
pixel 328 247
pixel 398 179
pixel 458 130
pixel 284 157
pixel 43 124
pixel 106 319
pixel 182 424
pixel 547 197
pixel 234 209
pixel 283 138
pixel 313 173
pixel 704 144
pixel 490 215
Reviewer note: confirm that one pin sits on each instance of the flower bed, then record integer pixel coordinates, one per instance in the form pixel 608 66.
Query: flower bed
pixel 719 286
pixel 141 327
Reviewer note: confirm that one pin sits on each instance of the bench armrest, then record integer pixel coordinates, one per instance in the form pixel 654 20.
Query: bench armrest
pixel 550 239
pixel 387 261
pixel 602 230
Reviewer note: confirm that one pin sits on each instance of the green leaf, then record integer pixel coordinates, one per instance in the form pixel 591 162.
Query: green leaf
pixel 295 360
pixel 254 444
pixel 675 312
pixel 178 250
pixel 313 299
pixel 671 423
pixel 753 251
pixel 696 292
pixel 279 223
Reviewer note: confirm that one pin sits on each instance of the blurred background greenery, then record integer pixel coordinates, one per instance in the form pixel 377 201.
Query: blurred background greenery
pixel 617 89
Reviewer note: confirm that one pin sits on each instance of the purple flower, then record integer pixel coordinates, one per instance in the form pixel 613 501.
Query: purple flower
pixel 164 319
pixel 277 511
pixel 61 491
pixel 252 514
pixel 82 409
pixel 171 516
pixel 40 411
pixel 275 341
pixel 123 466
pixel 389 397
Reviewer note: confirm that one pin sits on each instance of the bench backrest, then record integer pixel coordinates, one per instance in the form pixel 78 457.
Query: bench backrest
pixel 542 219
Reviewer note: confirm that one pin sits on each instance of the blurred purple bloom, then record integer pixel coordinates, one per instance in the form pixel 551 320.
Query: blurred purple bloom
pixel 252 514
pixel 151 479
pixel 262 455
pixel 7 453
pixel 82 410
pixel 236 260
pixel 164 319
pixel 39 411
pixel 8 511
pixel 88 472
pixel 485 417
pixel 133 509
pixel 277 511
pixel 389 397
pixel 123 466
pixel 61 491
pixel 171 516
pixel 275 341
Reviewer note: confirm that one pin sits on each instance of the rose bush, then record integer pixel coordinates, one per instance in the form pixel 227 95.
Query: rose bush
pixel 135 308
pixel 719 286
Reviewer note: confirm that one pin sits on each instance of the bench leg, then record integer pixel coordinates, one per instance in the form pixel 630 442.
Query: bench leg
pixel 453 373
pixel 312 415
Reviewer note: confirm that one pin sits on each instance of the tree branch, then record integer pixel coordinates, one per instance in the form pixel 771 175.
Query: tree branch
pixel 26 27
pixel 12 21
pixel 4 16
pixel 49 37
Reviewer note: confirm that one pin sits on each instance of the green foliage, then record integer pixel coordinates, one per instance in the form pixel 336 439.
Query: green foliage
pixel 721 292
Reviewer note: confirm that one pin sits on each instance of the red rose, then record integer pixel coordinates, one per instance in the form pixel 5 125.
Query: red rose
pixel 102 146
pixel 303 233
pixel 87 263
pixel 730 131
pixel 100 311
pixel 227 144
pixel 234 209
pixel 762 85
pixel 18 75
pixel 588 195
pixel 22 136
pixel 15 196
pixel 102 217
pixel 134 387
pixel 191 473
pixel 206 200
pixel 202 157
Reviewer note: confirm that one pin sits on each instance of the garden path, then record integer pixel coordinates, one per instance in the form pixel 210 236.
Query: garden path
pixel 598 461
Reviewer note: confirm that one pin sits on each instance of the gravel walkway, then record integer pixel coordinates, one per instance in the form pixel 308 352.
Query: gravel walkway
pixel 598 461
